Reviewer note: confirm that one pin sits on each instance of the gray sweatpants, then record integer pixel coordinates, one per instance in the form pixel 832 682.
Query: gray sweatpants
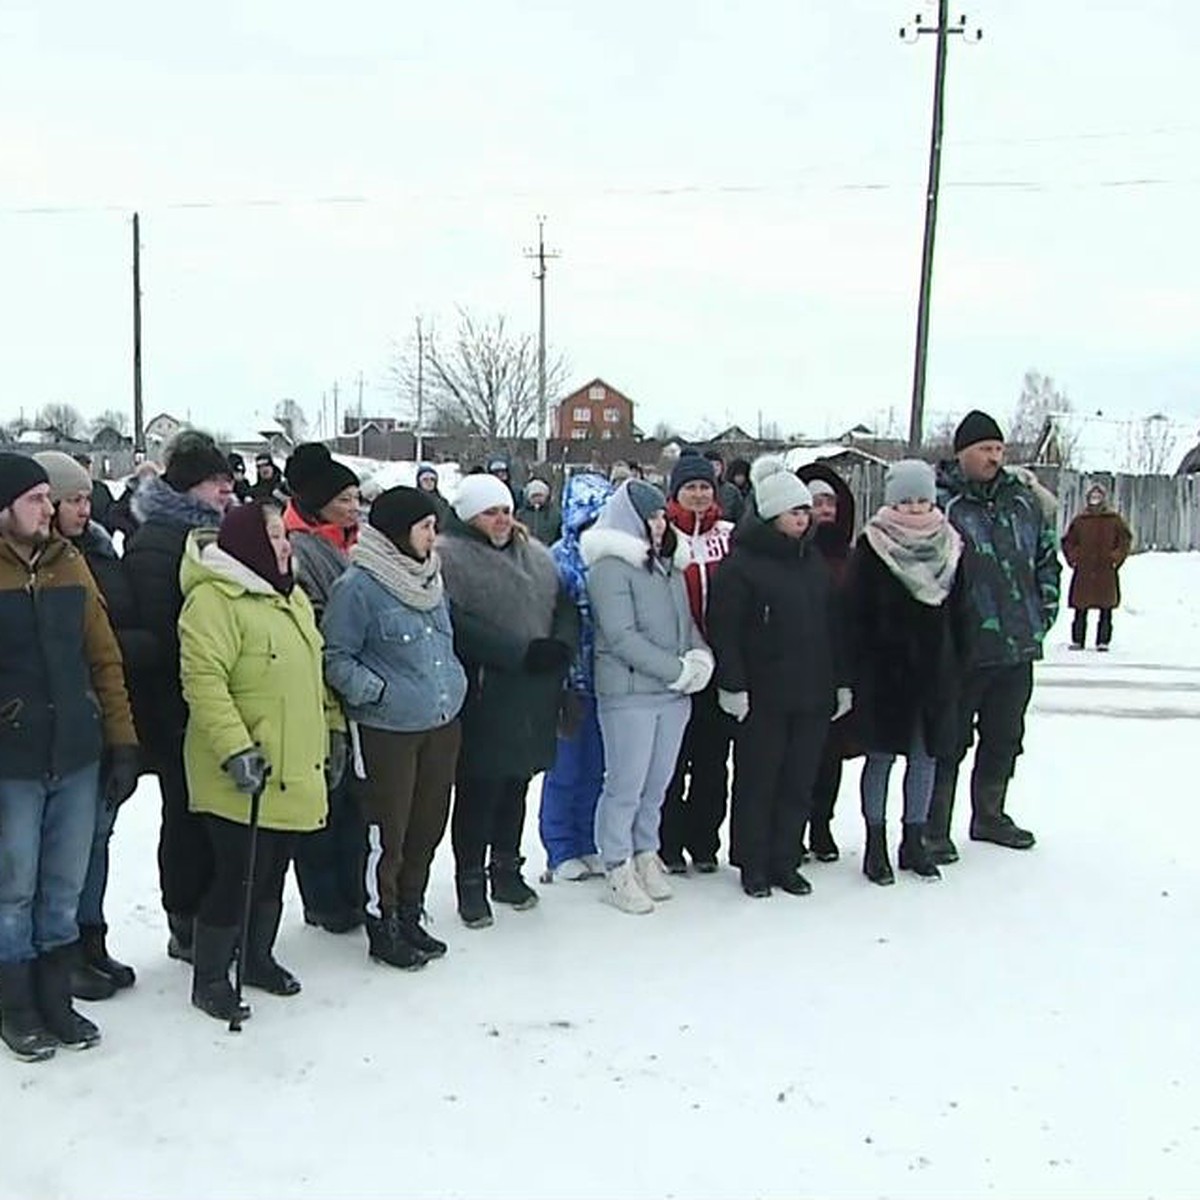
pixel 642 736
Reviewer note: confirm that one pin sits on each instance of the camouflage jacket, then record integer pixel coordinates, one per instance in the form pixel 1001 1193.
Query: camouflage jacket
pixel 1011 562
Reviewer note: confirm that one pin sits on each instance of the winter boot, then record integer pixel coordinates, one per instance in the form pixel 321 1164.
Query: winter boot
pixel 820 841
pixel 95 953
pixel 259 969
pixel 876 866
pixel 52 987
pixel 625 892
pixel 344 921
pixel 650 874
pixel 914 854
pixel 755 884
pixel 473 905
pixel 179 944
pixel 409 915
pixel 88 983
pixel 989 821
pixel 213 949
pixel 508 887
pixel 386 943
pixel 789 879
pixel 21 1027
pixel 941 812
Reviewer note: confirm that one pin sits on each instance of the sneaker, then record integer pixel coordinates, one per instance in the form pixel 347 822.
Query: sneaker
pixel 651 876
pixel 572 870
pixel 625 892
pixel 595 866
pixel 1075 646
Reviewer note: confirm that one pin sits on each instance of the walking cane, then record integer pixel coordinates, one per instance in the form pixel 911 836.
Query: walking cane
pixel 235 1020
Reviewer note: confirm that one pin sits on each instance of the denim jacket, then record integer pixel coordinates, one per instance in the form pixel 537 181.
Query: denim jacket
pixel 393 665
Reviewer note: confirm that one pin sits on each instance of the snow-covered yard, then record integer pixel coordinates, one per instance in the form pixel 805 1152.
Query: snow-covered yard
pixel 1025 1028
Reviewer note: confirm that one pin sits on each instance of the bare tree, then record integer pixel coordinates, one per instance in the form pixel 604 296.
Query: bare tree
pixel 481 380
pixel 65 418
pixel 1040 401
pixel 111 418
pixel 1153 443
pixel 939 440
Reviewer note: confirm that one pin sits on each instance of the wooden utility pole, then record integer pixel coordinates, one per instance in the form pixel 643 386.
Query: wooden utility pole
pixel 139 428
pixel 541 254
pixel 337 420
pixel 912 33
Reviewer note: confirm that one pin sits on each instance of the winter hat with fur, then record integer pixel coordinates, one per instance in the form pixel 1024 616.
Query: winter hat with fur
pixel 192 458
pixel 316 477
pixel 18 475
pixel 691 468
pixel 478 493
pixel 909 479
pixel 67 477
pixel 975 427
pixel 776 489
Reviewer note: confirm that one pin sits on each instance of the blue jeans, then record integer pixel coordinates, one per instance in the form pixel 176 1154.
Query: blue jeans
pixel 91 899
pixel 919 770
pixel 46 833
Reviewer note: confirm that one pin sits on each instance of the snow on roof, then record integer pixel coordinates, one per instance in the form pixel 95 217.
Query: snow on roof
pixel 377 475
pixel 802 456
pixel 1151 444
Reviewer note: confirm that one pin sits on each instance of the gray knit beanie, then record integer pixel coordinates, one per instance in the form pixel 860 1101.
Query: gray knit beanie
pixel 909 479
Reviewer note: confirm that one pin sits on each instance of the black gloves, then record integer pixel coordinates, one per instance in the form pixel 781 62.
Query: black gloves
pixel 120 775
pixel 248 770
pixel 547 656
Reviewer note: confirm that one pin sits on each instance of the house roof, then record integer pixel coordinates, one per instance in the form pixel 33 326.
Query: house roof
pixel 575 393
pixel 802 456
pixel 1092 442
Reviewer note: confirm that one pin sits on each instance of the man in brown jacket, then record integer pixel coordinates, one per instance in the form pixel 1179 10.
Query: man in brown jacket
pixel 1096 544
pixel 64 715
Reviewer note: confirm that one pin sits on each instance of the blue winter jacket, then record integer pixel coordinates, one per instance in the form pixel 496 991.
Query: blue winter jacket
pixel 393 666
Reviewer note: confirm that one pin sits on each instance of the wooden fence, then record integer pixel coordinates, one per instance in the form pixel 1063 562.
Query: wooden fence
pixel 1162 510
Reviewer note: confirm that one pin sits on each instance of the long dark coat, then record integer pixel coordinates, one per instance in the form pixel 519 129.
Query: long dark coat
pixel 1097 542
pixel 908 658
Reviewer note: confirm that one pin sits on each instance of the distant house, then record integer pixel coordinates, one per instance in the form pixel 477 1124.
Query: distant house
pixel 734 434
pixel 596 411
pixel 107 438
pixel 159 431
pixel 381 425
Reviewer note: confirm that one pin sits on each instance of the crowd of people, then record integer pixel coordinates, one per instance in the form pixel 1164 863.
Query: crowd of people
pixel 363 678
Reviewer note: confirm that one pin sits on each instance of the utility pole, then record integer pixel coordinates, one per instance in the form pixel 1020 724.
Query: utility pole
pixel 360 415
pixel 912 33
pixel 420 392
pixel 139 428
pixel 337 420
pixel 541 254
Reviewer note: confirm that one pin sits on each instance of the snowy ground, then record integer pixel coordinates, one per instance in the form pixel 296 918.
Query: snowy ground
pixel 1025 1028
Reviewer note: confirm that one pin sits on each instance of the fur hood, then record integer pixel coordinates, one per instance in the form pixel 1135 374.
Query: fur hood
pixel 156 500
pixel 598 542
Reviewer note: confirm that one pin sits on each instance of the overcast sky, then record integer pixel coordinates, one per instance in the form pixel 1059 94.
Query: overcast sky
pixel 737 190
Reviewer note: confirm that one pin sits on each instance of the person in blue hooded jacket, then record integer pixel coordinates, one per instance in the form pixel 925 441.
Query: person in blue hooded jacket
pixel 572 786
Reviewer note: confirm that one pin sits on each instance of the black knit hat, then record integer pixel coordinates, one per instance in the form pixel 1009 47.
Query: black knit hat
pixel 690 468
pixel 397 510
pixel 18 474
pixel 975 427
pixel 192 458
pixel 315 476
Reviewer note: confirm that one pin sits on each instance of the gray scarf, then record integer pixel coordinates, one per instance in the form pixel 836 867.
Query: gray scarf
pixel 414 583
pixel 920 549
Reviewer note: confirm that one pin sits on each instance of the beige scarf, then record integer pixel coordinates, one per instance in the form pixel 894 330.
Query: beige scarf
pixel 415 583
pixel 920 549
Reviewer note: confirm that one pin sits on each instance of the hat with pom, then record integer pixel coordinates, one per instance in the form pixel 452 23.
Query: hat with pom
pixel 776 489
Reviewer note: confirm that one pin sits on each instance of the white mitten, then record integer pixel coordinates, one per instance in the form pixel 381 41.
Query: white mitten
pixel 702 668
pixel 686 671
pixel 736 704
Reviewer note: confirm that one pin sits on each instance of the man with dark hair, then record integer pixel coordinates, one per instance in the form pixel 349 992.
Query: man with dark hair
pixel 269 484
pixel 1012 574
pixel 729 495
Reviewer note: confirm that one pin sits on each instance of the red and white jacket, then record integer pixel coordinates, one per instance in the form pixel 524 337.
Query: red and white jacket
pixel 707 537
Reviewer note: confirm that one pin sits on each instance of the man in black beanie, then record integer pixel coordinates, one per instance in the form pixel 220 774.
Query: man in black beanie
pixel 1012 572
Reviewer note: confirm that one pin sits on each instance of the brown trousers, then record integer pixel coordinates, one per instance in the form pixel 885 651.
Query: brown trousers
pixel 403 782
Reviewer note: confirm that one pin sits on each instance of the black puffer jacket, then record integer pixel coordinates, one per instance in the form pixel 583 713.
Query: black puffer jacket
pixel 908 658
pixel 773 622
pixel 151 567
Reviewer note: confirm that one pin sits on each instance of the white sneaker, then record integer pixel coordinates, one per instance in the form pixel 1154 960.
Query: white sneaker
pixel 625 892
pixel 652 875
pixel 595 865
pixel 571 870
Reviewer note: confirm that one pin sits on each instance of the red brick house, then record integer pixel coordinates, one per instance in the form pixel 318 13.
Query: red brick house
pixel 596 411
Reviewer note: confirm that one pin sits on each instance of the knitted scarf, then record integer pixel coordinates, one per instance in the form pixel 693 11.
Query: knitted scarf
pixel 413 582
pixel 920 549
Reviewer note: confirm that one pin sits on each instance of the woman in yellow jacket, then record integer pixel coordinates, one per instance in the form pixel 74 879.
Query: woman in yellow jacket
pixel 250 663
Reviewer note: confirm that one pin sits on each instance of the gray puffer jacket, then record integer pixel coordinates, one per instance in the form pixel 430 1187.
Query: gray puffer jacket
pixel 643 622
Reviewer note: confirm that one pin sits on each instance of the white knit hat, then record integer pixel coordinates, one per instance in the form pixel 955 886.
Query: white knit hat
pixel 776 489
pixel 478 493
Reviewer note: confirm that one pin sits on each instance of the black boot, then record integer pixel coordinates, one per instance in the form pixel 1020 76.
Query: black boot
pixel 344 921
pixel 941 812
pixel 473 904
pixel 212 952
pixel 179 944
pixel 21 1027
pixel 508 887
pixel 820 842
pixel 387 944
pixel 790 880
pixel 989 821
pixel 95 952
pixel 52 986
pixel 914 853
pixel 87 981
pixel 755 884
pixel 876 866
pixel 260 969
pixel 417 937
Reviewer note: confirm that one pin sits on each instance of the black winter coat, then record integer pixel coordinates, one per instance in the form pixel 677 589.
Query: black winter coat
pixel 773 622
pixel 908 658
pixel 139 649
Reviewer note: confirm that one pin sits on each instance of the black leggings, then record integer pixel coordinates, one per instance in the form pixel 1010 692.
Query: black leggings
pixel 230 842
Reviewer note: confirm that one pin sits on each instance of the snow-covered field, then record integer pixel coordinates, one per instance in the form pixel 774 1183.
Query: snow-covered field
pixel 1025 1028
